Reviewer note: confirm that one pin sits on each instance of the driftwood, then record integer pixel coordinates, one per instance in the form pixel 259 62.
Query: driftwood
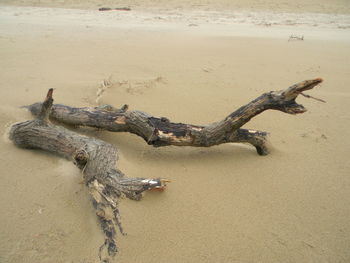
pixel 161 132
pixel 97 160
pixel 117 9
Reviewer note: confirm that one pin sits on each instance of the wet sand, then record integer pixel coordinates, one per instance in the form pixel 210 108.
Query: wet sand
pixel 225 203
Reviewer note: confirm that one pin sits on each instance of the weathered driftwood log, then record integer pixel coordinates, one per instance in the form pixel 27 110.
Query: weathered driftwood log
pixel 161 132
pixel 97 160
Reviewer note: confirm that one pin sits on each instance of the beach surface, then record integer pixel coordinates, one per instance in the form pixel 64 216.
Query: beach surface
pixel 193 64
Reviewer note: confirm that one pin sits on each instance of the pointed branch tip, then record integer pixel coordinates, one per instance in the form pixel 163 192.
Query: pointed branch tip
pixel 309 84
pixel 46 106
pixel 49 94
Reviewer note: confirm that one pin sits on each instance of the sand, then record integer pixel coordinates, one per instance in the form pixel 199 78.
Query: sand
pixel 295 6
pixel 225 203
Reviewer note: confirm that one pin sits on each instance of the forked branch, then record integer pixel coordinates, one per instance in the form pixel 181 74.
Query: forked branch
pixel 161 132
pixel 97 161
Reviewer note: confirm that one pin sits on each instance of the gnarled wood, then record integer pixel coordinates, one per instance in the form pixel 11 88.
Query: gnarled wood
pixel 161 132
pixel 97 160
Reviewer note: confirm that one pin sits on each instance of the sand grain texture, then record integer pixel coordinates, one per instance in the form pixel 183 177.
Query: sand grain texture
pixel 225 203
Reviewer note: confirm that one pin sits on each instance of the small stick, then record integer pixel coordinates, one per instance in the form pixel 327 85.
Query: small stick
pixel 311 97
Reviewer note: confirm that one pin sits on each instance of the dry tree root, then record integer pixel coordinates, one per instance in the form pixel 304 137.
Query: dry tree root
pixel 97 160
pixel 161 132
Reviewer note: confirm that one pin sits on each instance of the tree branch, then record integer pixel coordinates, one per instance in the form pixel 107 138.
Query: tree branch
pixel 97 160
pixel 161 132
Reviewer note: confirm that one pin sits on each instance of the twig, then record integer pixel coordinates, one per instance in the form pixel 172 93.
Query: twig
pixel 311 97
pixel 117 9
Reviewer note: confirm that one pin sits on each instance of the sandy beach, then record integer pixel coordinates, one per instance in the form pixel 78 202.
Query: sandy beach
pixel 193 63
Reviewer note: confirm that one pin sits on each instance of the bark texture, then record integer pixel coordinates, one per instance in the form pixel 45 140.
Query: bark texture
pixel 161 132
pixel 97 160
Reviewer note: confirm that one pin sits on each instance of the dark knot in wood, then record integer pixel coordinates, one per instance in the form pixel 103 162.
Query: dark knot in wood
pixel 81 158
